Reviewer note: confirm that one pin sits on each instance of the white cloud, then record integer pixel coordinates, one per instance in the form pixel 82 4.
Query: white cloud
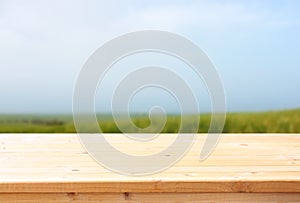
pixel 209 14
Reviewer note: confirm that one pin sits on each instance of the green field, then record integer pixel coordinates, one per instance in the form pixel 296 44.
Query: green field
pixel 263 122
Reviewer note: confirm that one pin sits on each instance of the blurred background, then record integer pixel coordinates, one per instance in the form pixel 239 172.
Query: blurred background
pixel 254 45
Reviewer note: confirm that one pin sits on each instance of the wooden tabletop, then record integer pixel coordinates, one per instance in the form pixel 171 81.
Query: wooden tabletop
pixel 240 163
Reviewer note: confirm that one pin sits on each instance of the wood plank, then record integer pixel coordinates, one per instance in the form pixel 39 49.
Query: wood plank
pixel 159 186
pixel 54 163
pixel 149 197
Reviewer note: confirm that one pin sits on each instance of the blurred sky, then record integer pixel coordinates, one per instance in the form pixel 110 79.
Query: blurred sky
pixel 255 46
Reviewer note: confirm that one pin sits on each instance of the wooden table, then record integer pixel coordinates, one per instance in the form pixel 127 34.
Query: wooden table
pixel 243 168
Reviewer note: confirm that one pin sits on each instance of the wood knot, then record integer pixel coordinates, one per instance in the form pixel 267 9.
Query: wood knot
pixel 127 195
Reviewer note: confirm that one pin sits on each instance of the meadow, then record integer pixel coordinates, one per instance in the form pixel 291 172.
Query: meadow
pixel 287 121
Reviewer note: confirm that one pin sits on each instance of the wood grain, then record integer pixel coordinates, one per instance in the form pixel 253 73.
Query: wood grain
pixel 57 164
pixel 149 197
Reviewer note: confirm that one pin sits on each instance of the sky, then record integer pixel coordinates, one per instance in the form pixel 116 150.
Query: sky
pixel 254 45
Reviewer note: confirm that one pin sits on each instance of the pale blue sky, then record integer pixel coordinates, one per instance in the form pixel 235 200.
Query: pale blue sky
pixel 255 46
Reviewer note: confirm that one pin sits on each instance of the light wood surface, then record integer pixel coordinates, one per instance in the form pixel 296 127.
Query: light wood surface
pixel 34 165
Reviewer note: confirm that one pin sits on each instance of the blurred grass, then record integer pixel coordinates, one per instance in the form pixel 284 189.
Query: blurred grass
pixel 287 121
